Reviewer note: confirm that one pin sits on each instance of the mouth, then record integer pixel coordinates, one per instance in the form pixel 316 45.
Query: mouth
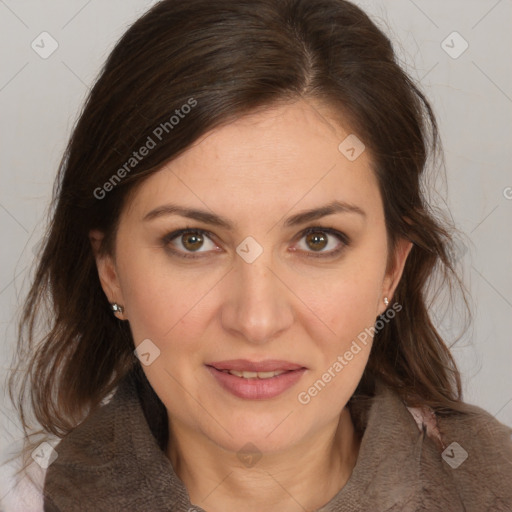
pixel 256 380
pixel 254 375
pixel 246 366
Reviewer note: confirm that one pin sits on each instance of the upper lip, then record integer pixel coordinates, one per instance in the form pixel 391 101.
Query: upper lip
pixel 269 365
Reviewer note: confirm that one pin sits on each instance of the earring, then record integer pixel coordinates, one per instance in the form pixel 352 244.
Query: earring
pixel 116 308
pixel 386 301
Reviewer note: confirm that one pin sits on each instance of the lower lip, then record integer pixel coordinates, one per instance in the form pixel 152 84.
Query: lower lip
pixel 257 389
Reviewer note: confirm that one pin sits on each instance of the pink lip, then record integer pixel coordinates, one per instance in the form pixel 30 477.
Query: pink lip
pixel 241 365
pixel 257 389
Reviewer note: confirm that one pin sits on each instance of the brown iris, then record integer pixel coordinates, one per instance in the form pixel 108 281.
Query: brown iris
pixel 192 241
pixel 316 240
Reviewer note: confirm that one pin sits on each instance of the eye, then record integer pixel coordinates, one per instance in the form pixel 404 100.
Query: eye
pixel 185 242
pixel 314 242
pixel 324 242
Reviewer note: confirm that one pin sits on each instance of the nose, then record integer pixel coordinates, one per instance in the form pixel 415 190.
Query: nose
pixel 258 306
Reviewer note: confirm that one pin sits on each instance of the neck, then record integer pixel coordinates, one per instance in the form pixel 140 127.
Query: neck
pixel 305 476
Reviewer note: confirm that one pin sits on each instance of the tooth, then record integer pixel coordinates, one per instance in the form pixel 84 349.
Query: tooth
pixel 266 375
pixel 254 375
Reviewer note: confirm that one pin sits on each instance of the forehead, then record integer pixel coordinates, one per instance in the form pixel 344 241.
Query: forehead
pixel 263 162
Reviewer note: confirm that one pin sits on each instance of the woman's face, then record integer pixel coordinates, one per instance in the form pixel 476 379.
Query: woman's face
pixel 247 288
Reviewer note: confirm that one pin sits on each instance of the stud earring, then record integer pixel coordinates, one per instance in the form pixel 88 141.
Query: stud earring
pixel 386 301
pixel 116 308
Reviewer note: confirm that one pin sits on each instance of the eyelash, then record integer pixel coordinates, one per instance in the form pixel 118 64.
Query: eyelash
pixel 315 229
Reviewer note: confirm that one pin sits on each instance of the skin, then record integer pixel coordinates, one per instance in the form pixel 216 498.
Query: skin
pixel 256 172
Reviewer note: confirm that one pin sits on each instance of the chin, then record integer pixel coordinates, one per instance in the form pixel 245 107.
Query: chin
pixel 257 443
pixel 266 434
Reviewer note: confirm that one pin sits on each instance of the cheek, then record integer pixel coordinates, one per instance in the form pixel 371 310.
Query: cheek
pixel 162 300
pixel 343 302
pixel 339 321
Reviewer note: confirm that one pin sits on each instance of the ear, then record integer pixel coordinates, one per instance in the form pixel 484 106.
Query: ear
pixel 395 270
pixel 106 270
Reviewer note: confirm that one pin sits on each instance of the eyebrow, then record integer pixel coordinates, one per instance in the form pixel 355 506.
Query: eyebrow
pixel 217 220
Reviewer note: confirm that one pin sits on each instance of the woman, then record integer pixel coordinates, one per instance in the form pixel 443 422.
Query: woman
pixel 239 254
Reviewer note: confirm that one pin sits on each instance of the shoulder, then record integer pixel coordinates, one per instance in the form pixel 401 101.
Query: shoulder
pixel 486 441
pixel 475 452
pixel 88 457
pixel 92 441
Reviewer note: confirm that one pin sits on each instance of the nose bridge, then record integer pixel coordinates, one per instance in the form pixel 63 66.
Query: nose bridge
pixel 258 306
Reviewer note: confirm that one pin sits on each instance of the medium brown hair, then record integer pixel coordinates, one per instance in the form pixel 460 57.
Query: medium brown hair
pixel 231 58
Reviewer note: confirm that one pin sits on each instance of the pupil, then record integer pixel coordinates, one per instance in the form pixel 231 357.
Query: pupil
pixel 316 238
pixel 192 241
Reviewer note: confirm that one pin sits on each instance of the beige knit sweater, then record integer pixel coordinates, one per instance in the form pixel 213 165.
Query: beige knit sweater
pixel 112 462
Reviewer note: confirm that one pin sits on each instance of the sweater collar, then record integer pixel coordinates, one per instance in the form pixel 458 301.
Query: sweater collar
pixel 115 447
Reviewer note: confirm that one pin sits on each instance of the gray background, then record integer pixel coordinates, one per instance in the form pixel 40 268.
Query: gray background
pixel 471 94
